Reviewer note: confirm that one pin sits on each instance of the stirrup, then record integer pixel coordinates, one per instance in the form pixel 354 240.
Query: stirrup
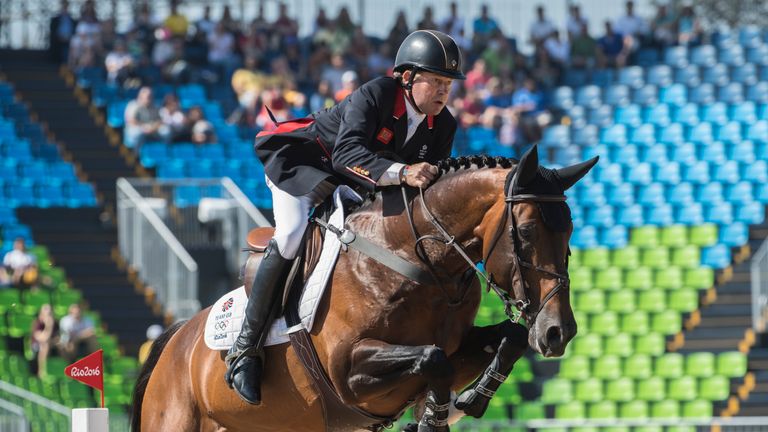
pixel 233 359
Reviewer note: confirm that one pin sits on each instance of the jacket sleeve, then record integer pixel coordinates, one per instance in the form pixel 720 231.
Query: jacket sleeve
pixel 351 154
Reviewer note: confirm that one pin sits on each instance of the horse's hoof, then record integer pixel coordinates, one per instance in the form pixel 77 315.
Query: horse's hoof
pixel 472 403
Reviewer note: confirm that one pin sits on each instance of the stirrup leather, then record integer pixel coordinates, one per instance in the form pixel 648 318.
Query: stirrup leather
pixel 233 359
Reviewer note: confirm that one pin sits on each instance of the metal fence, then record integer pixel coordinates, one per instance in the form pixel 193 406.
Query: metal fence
pixel 760 288
pixel 12 418
pixel 155 253
pixel 714 424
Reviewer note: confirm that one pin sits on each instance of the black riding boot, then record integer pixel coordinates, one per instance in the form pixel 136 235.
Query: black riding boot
pixel 245 360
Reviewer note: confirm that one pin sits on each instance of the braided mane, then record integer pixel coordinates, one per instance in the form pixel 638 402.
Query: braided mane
pixel 478 161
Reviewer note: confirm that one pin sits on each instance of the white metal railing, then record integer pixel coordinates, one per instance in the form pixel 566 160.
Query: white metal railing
pixel 158 257
pixel 12 418
pixel 759 276
pixel 246 216
pixel 15 419
pixel 709 424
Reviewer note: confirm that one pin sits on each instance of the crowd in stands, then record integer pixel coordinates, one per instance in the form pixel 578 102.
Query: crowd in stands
pixel 72 337
pixel 269 65
pixel 19 267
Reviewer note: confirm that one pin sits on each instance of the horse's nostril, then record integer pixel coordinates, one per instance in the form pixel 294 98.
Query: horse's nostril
pixel 554 336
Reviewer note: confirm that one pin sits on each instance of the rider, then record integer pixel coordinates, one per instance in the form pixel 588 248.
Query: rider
pixel 306 159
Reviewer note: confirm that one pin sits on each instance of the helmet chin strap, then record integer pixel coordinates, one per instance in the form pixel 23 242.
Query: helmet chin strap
pixel 409 90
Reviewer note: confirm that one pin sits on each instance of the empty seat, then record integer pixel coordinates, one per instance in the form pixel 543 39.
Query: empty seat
pixel 703 94
pixel 610 174
pixel 680 194
pixel 696 172
pixel 758 93
pixel 727 172
pixel 701 134
pixel 689 76
pixel 719 213
pixel 690 214
pixel 685 154
pixel 731 93
pixel 657 115
pixel 646 95
pixel 731 55
pixel 592 196
pixel 744 112
pixel 717 256
pixel 602 77
pixel 562 98
pixel 660 75
pixel 704 55
pixel 751 213
pixel 630 216
pixel 640 174
pixel 758 132
pixel 756 172
pixel 758 55
pixel 675 95
pixel 687 114
pixel 668 175
pixel 556 136
pixel 672 134
pixel 745 74
pixel 655 155
pixel 585 136
pixel 710 193
pixel 750 36
pixel 713 152
pixel 631 76
pixel 676 56
pixel 629 115
pixel 716 113
pixel 621 195
pixel 589 96
pixel 659 215
pixel 643 135
pixel 601 116
pixel 615 135
pixel 743 151
pixel 617 95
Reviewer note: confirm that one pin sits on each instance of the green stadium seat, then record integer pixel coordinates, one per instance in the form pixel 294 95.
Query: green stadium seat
pixel 605 323
pixel 681 429
pixel 10 299
pixel 634 409
pixel 522 370
pixel 572 410
pixel 674 235
pixel 620 390
pixel 586 344
pixel 683 300
pixel 529 411
pixel 509 393
pixel 714 388
pixel 619 344
pixel 665 409
pixel 669 277
pixel 606 367
pixel 670 365
pixel 638 366
pixel 686 257
pixel 700 364
pixel 626 258
pixel 682 388
pixel 575 367
pixel 589 390
pixel 652 344
pixel 644 237
pixel 19 324
pixel 666 322
pixel 608 278
pixel 574 260
pixel 581 278
pixel 732 364
pixel 635 323
pixel 602 410
pixel 497 410
pixel 66 297
pixel 621 301
pixel 697 408
pixel 596 258
pixel 557 391
pixel 484 317
pixel 590 301
pixel 652 300
pixel 55 366
pixel 639 278
pixel 34 300
pixel 655 257
pixel 582 321
pixel 703 235
pixel 648 429
pixel 700 278
pixel 585 428
pixel 56 274
pixel 615 429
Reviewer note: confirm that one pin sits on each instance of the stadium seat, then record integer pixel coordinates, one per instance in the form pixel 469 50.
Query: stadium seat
pixel 644 135
pixel 607 367
pixel 731 93
pixel 583 346
pixel 716 75
pixel 685 154
pixel 758 93
pixel 702 94
pixel 614 236
pixel 682 388
pixel 585 136
pixel 617 95
pixel 633 216
pixel 697 408
pixel 745 74
pixel 602 116
pixel 657 115
pixel 589 97
pixel 646 95
pixel 629 115
pixel 668 175
pixel 704 55
pixel 602 77
pixel 621 153
pixel 731 364
pixel 610 174
pixel 622 301
pixel 676 56
pixel 714 388
pixel 672 134
pixel 758 55
pixel 680 194
pixel 631 76
pixel 758 132
pixel 685 113
pixel 589 390
pixel 556 136
pixel 619 344
pixel 655 155
pixel 696 173
pixel 557 391
pixel 651 389
pixel 689 76
pixel 620 195
pixel 660 75
pixel 750 36
pixel 562 98
pixel 605 324
pixel 651 344
pixel 732 55
pixel 744 113
pixel 634 410
pixel 700 364
pixel 700 278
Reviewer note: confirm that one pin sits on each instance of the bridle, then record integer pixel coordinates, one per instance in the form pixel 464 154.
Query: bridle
pixel 521 301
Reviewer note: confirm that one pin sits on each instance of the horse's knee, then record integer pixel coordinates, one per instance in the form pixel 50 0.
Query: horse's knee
pixel 434 364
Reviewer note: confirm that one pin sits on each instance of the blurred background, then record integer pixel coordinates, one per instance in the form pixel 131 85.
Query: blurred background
pixel 128 181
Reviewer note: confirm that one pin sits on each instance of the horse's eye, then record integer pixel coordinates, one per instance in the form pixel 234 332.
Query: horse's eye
pixel 528 232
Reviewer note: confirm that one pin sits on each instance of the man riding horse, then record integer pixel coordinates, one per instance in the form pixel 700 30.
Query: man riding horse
pixel 306 159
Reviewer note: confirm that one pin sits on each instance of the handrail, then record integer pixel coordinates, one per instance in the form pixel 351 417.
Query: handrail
pixel 35 398
pixel 759 278
pixel 244 202
pixel 19 417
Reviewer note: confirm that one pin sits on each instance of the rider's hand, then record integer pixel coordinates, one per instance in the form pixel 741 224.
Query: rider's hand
pixel 419 175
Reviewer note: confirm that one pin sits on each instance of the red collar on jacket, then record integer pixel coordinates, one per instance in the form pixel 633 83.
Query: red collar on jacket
pixel 399 109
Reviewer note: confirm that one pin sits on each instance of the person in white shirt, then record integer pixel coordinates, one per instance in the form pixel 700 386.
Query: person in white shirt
pixel 20 266
pixel 119 63
pixel 575 21
pixel 558 51
pixel 541 28
pixel 77 334
pixel 632 27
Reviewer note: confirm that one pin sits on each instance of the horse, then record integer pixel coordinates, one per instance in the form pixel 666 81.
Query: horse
pixel 387 342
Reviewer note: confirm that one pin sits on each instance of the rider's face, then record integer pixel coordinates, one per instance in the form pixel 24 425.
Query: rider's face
pixel 430 91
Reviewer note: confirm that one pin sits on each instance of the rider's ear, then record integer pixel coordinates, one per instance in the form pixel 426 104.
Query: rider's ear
pixel 570 175
pixel 528 166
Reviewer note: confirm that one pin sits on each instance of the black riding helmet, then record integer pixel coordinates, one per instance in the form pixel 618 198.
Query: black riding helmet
pixel 432 51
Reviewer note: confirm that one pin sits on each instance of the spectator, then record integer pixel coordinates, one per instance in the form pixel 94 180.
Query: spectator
pixel 172 116
pixel 427 21
pixel 484 27
pixel 399 32
pixel 153 332
pixel 177 69
pixel 272 100
pixel 176 22
pixel 44 334
pixel 201 130
pixel 541 29
pixel 663 27
pixel 231 25
pixel 119 64
pixel 285 27
pixel 478 76
pixel 323 97
pixel 205 25
pixel 221 50
pixel 163 50
pixel 380 60
pixel 20 265
pixel 583 49
pixel 499 56
pixel 454 24
pixel 60 32
pixel 142 121
pixel 631 27
pixel 85 46
pixel 144 26
pixel 498 96
pixel 688 27
pixel 333 72
pixel 527 102
pixel 611 50
pixel 344 23
pixel 78 335
pixel 349 83
pixel 575 21
pixel 321 21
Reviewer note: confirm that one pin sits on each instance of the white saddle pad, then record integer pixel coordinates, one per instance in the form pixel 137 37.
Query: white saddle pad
pixel 226 316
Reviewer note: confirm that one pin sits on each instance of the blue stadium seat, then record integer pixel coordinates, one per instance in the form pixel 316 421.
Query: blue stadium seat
pixel 702 94
pixel 9 169
pixel 730 133
pixel 675 95
pixel 660 75
pixel 50 194
pixel 647 57
pixel 668 174
pixel 727 172
pixel 556 136
pixel 710 193
pixel 717 75
pixel 733 235
pixel 185 151
pixel 712 152
pixel 20 194
pixel 672 134
pixel 601 216
pixel 609 174
pixel 615 135
pixel 80 195
pixel 758 132
pixel 657 115
pixel 743 151
pixel 744 112
pixel 690 214
pixel 566 156
pixel 704 55
pixel 700 133
pixel 617 95
pixel 562 98
pixel 676 56
pixel 717 256
pixel 186 196
pixel 651 195
pixel 739 193
pixel 578 116
pixel 732 55
pixel 689 76
pixel 752 213
pixel 643 135
pixel 116 114
pixel 601 116
pixel 200 168
pixel 626 155
pixel 212 152
pixel 696 172
pixel 750 36
pixel 602 77
pixel 614 237
pixel 172 168
pixel 646 95
pixel 758 55
pixel 575 78
pixel 680 194
pixel 660 215
pixel 585 237
pixel 655 155
pixel 20 150
pixel 731 93
pixel 64 171
pixel 589 96
pixel 756 172
pixel 631 76
pixel 716 113
pixel 153 153
pixel 630 216
pixel 745 74
pixel 621 195
pixel 585 136
pixel 761 193
pixel 34 170
pixel 758 93
pixel 629 115
pixel 687 114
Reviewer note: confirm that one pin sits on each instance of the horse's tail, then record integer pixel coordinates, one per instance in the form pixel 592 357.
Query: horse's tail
pixel 146 371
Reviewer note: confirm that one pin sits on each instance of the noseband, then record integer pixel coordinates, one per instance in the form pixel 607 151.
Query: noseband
pixel 521 301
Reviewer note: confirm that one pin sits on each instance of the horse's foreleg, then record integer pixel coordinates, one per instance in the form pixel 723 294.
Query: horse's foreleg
pixel 377 366
pixel 511 341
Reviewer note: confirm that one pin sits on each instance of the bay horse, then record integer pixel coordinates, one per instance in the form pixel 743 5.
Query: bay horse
pixel 385 341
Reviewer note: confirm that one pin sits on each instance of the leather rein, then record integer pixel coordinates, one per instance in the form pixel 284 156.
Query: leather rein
pixel 521 301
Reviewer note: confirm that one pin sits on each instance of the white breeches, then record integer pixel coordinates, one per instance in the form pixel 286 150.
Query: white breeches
pixel 292 216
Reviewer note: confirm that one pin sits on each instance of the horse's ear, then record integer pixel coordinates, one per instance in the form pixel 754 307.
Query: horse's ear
pixel 570 175
pixel 528 166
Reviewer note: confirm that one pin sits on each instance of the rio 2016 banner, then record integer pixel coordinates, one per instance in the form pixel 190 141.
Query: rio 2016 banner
pixel 90 371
